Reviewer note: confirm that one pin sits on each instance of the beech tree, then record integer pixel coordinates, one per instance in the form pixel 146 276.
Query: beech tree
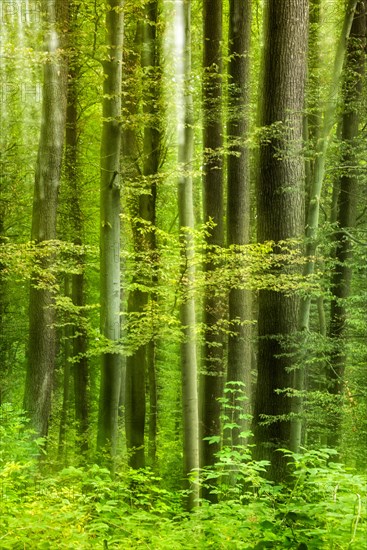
pixel 110 229
pixel 187 308
pixel 142 361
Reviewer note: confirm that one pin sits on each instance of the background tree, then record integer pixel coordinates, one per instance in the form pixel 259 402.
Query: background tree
pixel 354 73
pixel 110 229
pixel 187 307
pixel 141 299
pixel 238 200
pixel 212 361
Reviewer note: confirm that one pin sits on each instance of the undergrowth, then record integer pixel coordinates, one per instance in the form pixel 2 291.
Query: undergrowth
pixel 324 507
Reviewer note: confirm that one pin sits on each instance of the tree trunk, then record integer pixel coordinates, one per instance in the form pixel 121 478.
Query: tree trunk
pixel 280 215
pixel 42 337
pixel 347 209
pixel 214 308
pixel 312 220
pixel 75 218
pixel 64 415
pixel 143 359
pixel 110 231
pixel 238 209
pixel 187 309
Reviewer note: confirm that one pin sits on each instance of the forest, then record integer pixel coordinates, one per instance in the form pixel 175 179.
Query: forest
pixel 183 263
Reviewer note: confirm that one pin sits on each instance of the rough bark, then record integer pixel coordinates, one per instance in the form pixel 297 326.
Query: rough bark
pixel 280 214
pixel 110 230
pixel 42 337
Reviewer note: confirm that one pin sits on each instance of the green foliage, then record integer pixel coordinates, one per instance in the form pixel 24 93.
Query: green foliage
pixel 323 506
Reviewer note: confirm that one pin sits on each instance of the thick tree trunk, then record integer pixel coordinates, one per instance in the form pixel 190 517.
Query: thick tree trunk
pixel 42 337
pixel 238 208
pixel 110 230
pixel 280 214
pixel 347 209
pixel 187 309
pixel 214 308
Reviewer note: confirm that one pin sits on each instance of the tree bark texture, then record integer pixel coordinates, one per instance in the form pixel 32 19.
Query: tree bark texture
pixel 42 336
pixel 280 211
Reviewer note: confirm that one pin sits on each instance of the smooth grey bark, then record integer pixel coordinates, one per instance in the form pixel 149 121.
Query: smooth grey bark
pixel 214 307
pixel 42 336
pixel 189 370
pixel 280 215
pixel 353 91
pixel 238 209
pixel 110 231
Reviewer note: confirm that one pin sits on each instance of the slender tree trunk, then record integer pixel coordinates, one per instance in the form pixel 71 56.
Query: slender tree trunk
pixel 214 308
pixel 187 309
pixel 347 209
pixel 143 359
pixel 320 133
pixel 134 389
pixel 312 220
pixel 110 230
pixel 75 218
pixel 64 415
pixel 42 337
pixel 238 207
pixel 280 215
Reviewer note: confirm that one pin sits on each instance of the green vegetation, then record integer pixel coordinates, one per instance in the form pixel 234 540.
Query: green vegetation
pixel 183 272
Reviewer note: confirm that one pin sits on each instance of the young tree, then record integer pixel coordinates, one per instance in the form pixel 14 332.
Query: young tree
pixel 110 229
pixel 75 217
pixel 313 207
pixel 42 337
pixel 187 308
pixel 142 360
pixel 347 207
pixel 280 214
pixel 212 368
pixel 238 201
